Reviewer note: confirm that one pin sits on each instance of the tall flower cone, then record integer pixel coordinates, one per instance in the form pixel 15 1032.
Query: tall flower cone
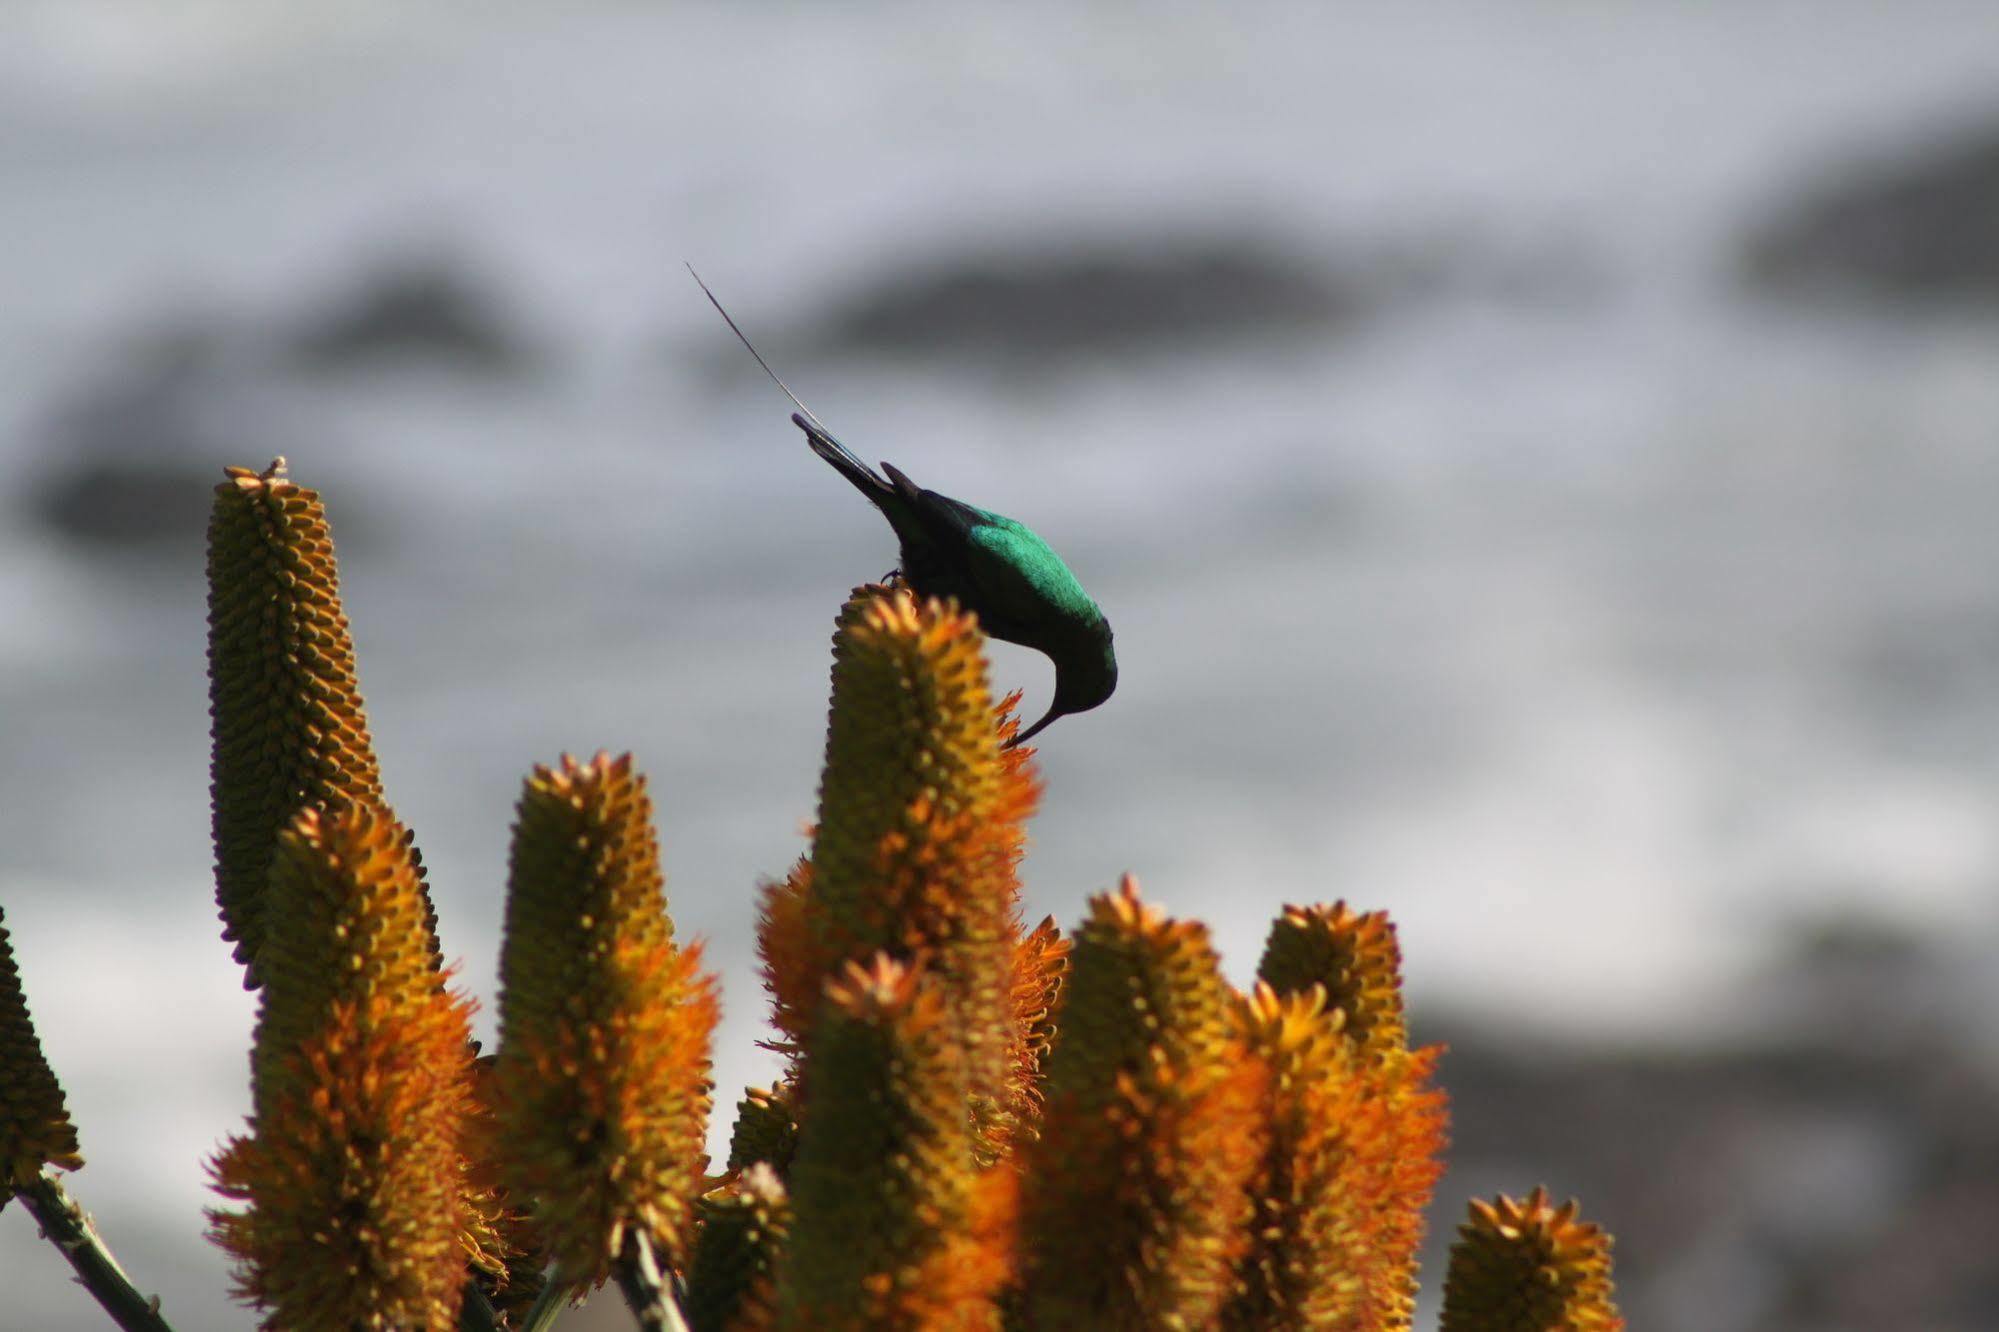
pixel 35 1130
pixel 602 1080
pixel 920 827
pixel 354 1172
pixel 894 1229
pixel 729 1277
pixel 1529 1267
pixel 1391 1157
pixel 285 710
pixel 1135 1207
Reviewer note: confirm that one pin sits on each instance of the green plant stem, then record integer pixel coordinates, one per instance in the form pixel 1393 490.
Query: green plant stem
pixel 554 1298
pixel 647 1289
pixel 66 1227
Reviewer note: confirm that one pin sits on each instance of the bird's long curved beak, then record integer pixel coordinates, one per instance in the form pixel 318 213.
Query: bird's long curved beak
pixel 1034 730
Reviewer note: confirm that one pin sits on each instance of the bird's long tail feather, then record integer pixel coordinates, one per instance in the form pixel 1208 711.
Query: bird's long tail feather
pixel 744 338
pixel 865 478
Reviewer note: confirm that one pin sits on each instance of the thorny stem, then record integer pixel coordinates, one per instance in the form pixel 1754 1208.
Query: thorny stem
pixel 65 1226
pixel 648 1290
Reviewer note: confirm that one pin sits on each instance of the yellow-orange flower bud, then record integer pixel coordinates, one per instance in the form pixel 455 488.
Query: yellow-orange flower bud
pixel 354 1171
pixel 285 709
pixel 1529 1267
pixel 602 1080
pixel 894 1229
pixel 1353 956
pixel 1350 1161
pixel 1135 1206
pixel 1388 1154
pixel 920 826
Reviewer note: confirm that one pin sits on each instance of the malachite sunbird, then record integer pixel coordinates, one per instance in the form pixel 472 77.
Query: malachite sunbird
pixel 1019 588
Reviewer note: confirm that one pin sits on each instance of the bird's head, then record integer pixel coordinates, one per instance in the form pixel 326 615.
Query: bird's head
pixel 1085 675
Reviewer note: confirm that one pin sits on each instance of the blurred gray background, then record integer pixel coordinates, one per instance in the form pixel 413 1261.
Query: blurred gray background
pixel 1539 458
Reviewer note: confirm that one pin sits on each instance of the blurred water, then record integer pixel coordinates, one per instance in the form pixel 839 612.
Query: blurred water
pixel 1594 617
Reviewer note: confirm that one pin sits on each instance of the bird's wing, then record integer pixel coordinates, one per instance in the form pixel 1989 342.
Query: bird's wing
pixel 1019 579
pixel 1020 575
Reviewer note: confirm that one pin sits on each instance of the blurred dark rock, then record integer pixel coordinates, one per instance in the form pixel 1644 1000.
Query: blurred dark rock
pixel 133 452
pixel 1054 304
pixel 129 505
pixel 430 311
pixel 1924 227
pixel 1833 1175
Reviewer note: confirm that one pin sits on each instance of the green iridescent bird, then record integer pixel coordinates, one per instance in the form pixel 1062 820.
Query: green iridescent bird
pixel 1019 587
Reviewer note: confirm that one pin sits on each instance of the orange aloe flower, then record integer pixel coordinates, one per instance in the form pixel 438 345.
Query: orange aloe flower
pixel 34 1116
pixel 286 719
pixel 502 1230
pixel 1331 1247
pixel 1529 1267
pixel 1390 1156
pixel 894 1229
pixel 354 1172
pixel 1040 966
pixel 1400 1146
pixel 920 826
pixel 1135 1207
pixel 602 1080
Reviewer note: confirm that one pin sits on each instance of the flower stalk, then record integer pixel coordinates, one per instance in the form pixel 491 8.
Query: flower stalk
pixel 69 1228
